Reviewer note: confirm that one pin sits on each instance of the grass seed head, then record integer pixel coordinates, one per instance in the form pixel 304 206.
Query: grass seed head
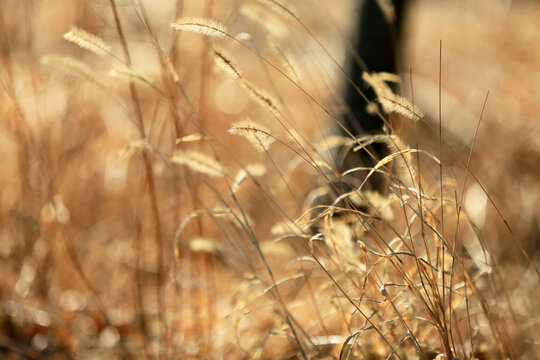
pixel 87 41
pixel 207 27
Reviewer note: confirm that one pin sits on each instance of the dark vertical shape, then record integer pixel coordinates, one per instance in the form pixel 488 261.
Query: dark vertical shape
pixel 377 49
pixel 377 44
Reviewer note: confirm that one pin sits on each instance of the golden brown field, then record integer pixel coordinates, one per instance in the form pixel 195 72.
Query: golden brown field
pixel 159 161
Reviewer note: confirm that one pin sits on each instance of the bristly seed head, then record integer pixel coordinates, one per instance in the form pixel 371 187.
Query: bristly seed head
pixel 256 134
pixel 225 63
pixel 87 41
pixel 207 27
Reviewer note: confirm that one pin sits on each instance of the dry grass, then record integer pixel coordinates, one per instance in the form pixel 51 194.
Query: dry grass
pixel 137 224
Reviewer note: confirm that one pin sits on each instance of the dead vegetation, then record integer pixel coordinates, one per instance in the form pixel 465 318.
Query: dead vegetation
pixel 172 186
